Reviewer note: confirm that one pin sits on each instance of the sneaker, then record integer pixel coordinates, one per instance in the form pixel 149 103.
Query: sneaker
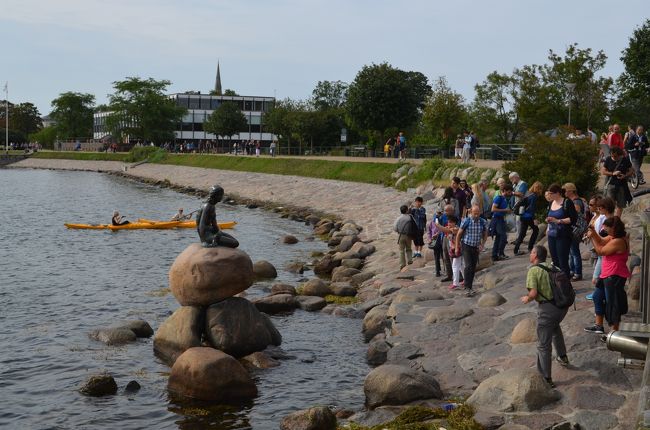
pixel 598 329
pixel 470 293
pixel 550 382
pixel 576 278
pixel 453 287
pixel 518 253
pixel 590 297
pixel 563 360
pixel 438 275
pixel 503 257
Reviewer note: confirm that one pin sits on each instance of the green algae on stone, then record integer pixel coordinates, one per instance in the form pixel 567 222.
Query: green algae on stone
pixel 341 300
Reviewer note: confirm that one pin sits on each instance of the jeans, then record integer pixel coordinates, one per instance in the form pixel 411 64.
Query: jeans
pixel 470 258
pixel 500 238
pixel 549 331
pixel 599 298
pixel 559 247
pixel 405 251
pixel 523 229
pixel 575 259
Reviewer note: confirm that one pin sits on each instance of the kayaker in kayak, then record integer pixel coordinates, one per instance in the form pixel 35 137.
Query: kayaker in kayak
pixel 118 219
pixel 180 216
pixel 207 226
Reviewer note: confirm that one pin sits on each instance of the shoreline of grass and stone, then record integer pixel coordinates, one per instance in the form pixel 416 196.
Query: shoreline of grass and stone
pixel 418 331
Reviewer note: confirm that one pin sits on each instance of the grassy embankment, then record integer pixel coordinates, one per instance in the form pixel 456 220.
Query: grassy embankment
pixel 436 170
pixel 372 173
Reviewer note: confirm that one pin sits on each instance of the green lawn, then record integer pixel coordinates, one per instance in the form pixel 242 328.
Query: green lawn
pixel 373 173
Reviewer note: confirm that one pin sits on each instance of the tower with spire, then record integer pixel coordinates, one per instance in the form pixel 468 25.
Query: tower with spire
pixel 217 83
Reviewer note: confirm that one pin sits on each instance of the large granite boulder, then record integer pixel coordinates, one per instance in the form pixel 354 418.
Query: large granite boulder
pixel 211 375
pixel 391 384
pixel 264 270
pixel 524 332
pixel 236 327
pixel 202 276
pixel 180 332
pixel 311 303
pixel 318 418
pixel 513 390
pixel 491 299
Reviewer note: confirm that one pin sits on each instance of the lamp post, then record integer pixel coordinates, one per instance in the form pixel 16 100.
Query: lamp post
pixel 570 86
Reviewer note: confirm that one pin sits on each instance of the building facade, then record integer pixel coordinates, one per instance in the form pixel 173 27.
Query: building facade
pixel 199 108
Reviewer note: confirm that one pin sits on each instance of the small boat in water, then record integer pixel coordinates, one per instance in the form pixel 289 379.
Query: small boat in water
pixel 143 224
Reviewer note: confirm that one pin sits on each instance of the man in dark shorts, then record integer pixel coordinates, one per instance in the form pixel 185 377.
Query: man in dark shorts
pixel 616 169
pixel 419 214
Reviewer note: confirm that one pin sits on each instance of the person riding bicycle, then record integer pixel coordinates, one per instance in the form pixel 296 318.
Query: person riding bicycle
pixel 617 168
pixel 637 147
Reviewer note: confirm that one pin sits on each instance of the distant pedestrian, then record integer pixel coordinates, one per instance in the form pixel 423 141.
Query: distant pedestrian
pixel 549 316
pixel 615 140
pixel 458 146
pixel 403 229
pixel 273 147
pixel 402 146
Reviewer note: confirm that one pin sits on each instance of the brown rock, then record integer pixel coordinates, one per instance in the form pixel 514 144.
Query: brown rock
pixel 260 360
pixel 354 263
pixel 99 385
pixel 236 327
pixel 318 418
pixel 283 289
pixel 289 239
pixel 180 332
pixel 276 303
pixel 325 265
pixel 343 273
pixel 311 303
pixel 324 228
pixel 210 375
pixel 524 332
pixel 315 287
pixel 202 276
pixel 264 270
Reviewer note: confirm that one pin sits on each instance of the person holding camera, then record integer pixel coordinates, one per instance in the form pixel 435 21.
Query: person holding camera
pixel 616 169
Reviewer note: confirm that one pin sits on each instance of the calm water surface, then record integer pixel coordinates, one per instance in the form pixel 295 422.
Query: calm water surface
pixel 56 285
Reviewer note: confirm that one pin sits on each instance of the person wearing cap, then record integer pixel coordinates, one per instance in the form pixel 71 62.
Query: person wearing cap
pixel 118 219
pixel 575 259
pixel 180 216
pixel 519 190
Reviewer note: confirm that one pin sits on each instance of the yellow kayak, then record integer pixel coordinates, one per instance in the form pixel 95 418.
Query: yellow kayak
pixel 131 226
pixel 147 225
pixel 191 223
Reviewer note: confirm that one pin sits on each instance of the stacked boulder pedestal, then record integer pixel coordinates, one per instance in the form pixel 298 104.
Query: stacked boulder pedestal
pixel 203 339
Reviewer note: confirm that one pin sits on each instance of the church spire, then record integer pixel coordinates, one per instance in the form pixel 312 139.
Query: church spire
pixel 217 83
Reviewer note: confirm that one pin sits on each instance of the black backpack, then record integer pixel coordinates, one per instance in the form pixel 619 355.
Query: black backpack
pixel 412 228
pixel 563 293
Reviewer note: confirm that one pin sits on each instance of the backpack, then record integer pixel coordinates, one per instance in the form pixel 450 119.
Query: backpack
pixel 579 224
pixel 563 292
pixel 412 228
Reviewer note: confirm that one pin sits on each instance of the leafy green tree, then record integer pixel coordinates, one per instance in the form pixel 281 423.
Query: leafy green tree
pixel 590 99
pixel 140 109
pixel 381 97
pixel 73 114
pixel 230 92
pixel 46 137
pixel 226 120
pixel 24 118
pixel 494 110
pixel 444 111
pixel 633 101
pixel 329 95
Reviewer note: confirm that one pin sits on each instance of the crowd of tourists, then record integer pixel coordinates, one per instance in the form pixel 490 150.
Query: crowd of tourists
pixel 458 229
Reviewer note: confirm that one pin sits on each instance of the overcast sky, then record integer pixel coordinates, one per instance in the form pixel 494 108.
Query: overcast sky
pixel 284 47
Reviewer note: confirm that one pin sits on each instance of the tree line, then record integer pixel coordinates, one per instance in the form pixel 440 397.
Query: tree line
pixel 507 107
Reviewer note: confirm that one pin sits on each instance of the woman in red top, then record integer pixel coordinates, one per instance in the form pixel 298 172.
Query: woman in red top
pixel 615 250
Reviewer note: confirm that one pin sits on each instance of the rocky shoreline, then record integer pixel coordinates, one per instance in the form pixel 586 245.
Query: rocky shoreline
pixel 418 330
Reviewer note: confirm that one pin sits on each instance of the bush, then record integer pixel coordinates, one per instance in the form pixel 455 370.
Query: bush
pixel 558 160
pixel 141 153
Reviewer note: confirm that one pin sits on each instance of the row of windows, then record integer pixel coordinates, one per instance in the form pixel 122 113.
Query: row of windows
pixel 211 103
pixel 197 126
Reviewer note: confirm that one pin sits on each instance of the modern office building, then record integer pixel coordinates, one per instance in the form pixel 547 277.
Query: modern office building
pixel 200 106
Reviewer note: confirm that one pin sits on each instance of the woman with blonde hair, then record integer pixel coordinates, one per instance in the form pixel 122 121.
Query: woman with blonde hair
pixel 477 197
pixel 527 216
